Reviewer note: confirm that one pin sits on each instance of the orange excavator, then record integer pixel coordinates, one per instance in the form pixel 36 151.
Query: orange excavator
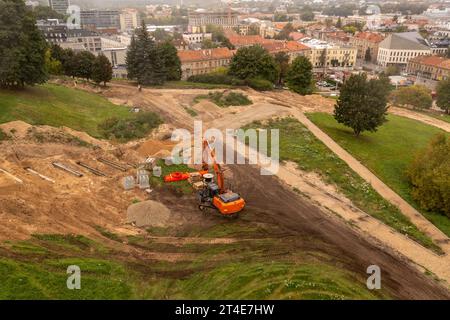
pixel 214 195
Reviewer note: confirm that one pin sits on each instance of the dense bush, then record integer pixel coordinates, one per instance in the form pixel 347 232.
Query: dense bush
pixel 225 100
pixel 260 84
pixel 133 128
pixel 216 78
pixel 417 96
pixel 429 175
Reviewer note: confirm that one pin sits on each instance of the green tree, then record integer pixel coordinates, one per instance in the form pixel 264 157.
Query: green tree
pixel 282 60
pixel 161 35
pixel 253 62
pixel 46 12
pixel 68 61
pixel 307 15
pixel 172 63
pixel 253 29
pixel 299 77
pixel 57 52
pixel 22 46
pixel 285 32
pixel 417 96
pixel 367 55
pixel 52 66
pixel 339 23
pixel 218 36
pixel 429 175
pixel 84 63
pixel 208 44
pixel 130 59
pixel 443 95
pixel 362 104
pixel 102 70
pixel 392 70
pixel 145 60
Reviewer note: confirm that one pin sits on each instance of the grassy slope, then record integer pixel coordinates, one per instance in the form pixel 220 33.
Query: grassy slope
pixel 387 152
pixel 299 145
pixel 179 85
pixel 58 106
pixel 36 269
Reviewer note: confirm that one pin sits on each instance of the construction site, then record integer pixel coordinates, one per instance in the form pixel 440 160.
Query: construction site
pixel 132 199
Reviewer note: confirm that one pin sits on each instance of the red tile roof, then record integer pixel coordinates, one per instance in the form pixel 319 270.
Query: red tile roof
pixel 433 61
pixel 240 41
pixel 284 46
pixel 370 36
pixel 296 35
pixel 207 54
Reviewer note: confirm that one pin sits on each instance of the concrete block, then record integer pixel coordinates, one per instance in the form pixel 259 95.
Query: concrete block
pixel 157 171
pixel 128 183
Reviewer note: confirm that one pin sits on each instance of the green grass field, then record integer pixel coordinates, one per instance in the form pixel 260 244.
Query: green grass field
pixel 57 106
pixel 36 269
pixel 387 152
pixel 297 144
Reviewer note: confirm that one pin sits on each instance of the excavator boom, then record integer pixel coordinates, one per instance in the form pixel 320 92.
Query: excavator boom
pixel 226 201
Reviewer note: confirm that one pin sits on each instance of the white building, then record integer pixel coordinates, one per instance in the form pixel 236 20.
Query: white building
pixel 192 38
pixel 399 48
pixel 129 19
pixel 59 6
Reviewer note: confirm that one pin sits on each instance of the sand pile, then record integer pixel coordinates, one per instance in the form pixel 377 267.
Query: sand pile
pixel 152 148
pixel 149 213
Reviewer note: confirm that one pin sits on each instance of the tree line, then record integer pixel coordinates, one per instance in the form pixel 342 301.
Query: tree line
pixel 255 62
pixel 150 62
pixel 83 64
pixel 27 59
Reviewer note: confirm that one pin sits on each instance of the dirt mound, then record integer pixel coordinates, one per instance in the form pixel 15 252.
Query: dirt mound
pixel 208 110
pixel 152 148
pixel 17 128
pixel 149 213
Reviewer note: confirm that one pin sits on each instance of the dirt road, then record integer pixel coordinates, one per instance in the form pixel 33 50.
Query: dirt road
pixel 420 221
pixel 269 201
pixel 420 117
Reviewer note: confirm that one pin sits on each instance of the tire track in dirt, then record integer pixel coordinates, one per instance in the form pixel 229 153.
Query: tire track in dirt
pixel 270 202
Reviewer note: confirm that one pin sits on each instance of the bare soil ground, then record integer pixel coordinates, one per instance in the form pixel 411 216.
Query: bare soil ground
pixel 78 205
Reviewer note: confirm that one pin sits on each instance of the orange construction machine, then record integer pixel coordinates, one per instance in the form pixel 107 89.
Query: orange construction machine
pixel 214 195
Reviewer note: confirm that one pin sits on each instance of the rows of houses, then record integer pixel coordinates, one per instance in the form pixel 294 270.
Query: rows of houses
pixel 325 46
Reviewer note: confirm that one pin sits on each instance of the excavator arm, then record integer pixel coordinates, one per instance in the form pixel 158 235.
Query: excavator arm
pixel 207 150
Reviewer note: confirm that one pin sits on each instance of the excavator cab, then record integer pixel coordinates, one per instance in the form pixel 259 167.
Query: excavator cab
pixel 211 196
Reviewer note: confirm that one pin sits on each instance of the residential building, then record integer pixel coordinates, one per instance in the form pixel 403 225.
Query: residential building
pixel 297 36
pixel 195 62
pixel 367 41
pixel 93 42
pixel 338 37
pixel 130 19
pixel 239 41
pixel 59 6
pixel 192 38
pixel 117 56
pixel 227 19
pixel 180 44
pixel 429 67
pixel 291 48
pixel 53 30
pixel 399 48
pixel 330 55
pixel 100 19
